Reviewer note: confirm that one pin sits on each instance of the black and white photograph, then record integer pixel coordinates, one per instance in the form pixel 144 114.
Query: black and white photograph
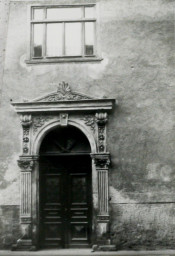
pixel 87 127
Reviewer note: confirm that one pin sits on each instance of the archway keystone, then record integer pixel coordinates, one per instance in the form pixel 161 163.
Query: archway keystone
pixel 62 108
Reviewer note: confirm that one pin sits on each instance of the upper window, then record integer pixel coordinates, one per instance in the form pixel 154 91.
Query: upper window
pixel 63 32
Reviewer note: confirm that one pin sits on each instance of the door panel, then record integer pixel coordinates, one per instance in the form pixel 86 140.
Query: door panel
pixel 65 208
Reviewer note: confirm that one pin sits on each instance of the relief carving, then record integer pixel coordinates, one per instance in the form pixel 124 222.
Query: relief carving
pixel 90 121
pixel 101 119
pixel 63 93
pixel 101 160
pixel 26 165
pixel 39 121
pixel 26 121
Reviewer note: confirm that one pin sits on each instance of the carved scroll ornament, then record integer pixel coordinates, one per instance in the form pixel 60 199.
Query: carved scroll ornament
pixel 101 160
pixel 26 165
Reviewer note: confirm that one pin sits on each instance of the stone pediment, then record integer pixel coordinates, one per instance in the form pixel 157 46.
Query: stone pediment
pixel 63 93
pixel 64 99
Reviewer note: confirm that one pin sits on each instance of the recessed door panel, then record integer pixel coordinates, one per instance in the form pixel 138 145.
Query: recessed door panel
pixel 65 208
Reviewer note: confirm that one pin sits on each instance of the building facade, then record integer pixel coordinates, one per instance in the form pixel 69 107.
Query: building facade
pixel 87 124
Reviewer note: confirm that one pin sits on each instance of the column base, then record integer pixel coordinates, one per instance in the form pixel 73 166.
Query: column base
pixel 24 245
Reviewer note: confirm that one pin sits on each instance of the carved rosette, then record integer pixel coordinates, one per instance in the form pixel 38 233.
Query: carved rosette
pixel 101 119
pixel 26 121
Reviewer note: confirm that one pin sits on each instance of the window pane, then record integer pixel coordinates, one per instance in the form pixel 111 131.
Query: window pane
pixel 64 13
pixel 73 38
pixel 38 14
pixel 89 12
pixel 54 43
pixel 38 40
pixel 89 38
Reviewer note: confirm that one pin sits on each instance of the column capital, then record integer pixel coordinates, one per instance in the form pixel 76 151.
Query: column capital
pixel 26 120
pixel 27 163
pixel 101 160
pixel 101 118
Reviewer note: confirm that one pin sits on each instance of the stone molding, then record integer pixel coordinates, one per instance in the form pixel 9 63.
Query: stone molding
pixel 101 160
pixel 27 163
pixel 103 218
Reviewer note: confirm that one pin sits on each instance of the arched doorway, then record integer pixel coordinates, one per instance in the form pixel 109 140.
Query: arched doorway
pixel 81 121
pixel 65 189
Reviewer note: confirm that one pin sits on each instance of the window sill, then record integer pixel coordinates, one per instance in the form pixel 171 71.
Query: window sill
pixel 63 60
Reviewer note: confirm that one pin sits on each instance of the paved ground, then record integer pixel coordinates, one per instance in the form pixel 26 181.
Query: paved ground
pixel 87 252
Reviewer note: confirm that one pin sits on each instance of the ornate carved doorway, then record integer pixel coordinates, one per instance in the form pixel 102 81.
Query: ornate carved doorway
pixel 43 120
pixel 65 190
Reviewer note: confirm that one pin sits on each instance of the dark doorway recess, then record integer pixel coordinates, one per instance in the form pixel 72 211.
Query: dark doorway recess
pixel 65 190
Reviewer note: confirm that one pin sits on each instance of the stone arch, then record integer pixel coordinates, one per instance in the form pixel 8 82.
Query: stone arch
pixel 63 107
pixel 52 125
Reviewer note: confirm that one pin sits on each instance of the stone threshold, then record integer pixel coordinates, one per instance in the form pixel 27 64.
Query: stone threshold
pixel 85 252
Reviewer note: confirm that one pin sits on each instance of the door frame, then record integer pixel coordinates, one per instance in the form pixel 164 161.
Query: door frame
pixel 40 116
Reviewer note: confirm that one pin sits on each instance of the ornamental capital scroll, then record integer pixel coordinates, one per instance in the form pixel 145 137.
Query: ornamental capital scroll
pixel 101 160
pixel 27 164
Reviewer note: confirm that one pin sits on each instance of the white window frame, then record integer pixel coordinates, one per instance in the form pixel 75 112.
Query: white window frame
pixel 63 58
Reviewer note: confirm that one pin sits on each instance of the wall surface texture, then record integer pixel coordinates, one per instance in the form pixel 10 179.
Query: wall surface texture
pixel 137 43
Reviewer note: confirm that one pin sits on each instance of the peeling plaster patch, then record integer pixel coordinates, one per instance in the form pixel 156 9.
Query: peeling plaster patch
pixel 159 172
pixel 96 71
pixel 9 181
pixel 117 196
pixel 23 64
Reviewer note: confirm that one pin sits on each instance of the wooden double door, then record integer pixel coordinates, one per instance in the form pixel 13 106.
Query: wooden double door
pixel 65 202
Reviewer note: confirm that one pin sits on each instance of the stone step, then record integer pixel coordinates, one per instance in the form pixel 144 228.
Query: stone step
pixel 86 252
